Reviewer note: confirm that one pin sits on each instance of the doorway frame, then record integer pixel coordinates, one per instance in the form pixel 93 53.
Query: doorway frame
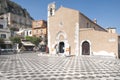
pixel 63 47
pixel 81 46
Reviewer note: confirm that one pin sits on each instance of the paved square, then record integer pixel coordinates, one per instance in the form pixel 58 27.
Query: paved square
pixel 30 66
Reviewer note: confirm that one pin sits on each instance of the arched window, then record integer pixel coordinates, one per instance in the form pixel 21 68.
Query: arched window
pixel 51 12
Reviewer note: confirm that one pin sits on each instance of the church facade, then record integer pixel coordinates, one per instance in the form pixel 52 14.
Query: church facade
pixel 72 33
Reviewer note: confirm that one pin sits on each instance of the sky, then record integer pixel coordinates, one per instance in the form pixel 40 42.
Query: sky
pixel 107 12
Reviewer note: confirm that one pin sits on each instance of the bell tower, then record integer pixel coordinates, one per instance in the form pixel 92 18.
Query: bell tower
pixel 51 9
pixel 51 12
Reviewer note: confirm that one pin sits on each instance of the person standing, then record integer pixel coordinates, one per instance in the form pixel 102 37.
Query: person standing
pixel 56 48
pixel 47 49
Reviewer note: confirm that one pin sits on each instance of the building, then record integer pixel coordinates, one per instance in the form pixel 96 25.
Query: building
pixel 70 32
pixel 5 34
pixel 119 46
pixel 39 28
pixel 17 21
pixel 23 32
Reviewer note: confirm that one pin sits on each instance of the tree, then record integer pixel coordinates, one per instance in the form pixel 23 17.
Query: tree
pixel 34 40
pixel 1 42
pixel 15 39
pixel 16 42
pixel 14 29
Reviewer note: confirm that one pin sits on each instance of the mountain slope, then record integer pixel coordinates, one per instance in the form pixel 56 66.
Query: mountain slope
pixel 9 6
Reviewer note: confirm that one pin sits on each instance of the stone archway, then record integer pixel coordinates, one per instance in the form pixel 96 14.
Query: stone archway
pixel 61 41
pixel 85 48
pixel 61 36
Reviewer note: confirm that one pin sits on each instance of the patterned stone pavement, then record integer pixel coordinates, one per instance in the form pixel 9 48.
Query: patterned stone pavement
pixel 30 66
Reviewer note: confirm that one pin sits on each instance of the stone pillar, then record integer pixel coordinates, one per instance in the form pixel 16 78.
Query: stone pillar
pixel 48 31
pixel 77 39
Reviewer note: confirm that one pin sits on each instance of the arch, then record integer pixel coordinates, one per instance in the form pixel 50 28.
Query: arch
pixel 85 48
pixel 61 36
pixel 61 41
pixel 89 46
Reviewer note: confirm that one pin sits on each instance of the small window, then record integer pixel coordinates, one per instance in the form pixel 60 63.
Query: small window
pixel 41 32
pixel 61 24
pixel 27 33
pixel 94 27
pixel 51 12
pixel 1 26
pixel 3 35
pixel 87 25
pixel 30 32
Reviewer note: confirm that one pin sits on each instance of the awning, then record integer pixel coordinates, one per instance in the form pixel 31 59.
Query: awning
pixel 7 42
pixel 19 32
pixel 28 44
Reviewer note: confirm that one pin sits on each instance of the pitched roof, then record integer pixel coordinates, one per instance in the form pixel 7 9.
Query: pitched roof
pixel 82 15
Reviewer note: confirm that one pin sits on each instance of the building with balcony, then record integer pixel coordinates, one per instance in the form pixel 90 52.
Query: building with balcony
pixel 39 28
pixel 5 34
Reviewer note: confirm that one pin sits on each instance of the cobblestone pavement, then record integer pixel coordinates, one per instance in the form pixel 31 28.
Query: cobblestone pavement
pixel 30 66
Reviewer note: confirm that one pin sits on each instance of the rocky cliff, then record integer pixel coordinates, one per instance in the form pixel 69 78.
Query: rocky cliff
pixel 10 6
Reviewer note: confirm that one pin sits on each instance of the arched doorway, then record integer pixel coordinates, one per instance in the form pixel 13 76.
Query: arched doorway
pixel 85 48
pixel 61 47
